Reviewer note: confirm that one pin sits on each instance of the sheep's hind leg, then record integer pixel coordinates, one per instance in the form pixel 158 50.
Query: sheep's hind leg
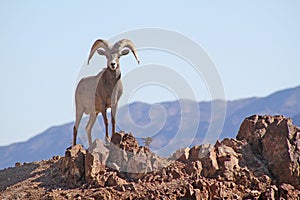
pixel 89 126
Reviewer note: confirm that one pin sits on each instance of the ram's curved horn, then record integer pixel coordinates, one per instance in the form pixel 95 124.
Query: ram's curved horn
pixel 129 44
pixel 98 44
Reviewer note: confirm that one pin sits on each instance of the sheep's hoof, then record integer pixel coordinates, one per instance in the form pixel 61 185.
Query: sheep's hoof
pixel 107 140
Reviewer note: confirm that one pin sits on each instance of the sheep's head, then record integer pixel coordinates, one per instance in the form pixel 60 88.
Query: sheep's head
pixel 113 53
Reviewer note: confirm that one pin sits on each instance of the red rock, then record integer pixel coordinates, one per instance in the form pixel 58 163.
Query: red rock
pixel 100 149
pixel 252 130
pixel 116 138
pixel 287 191
pixel 270 193
pixel 194 169
pixel 279 149
pixel 181 155
pixel 129 143
pixel 138 166
pixel 93 168
pixel 114 180
pixel 73 165
pixel 73 151
pixel 203 187
pixel 206 154
pixel 276 140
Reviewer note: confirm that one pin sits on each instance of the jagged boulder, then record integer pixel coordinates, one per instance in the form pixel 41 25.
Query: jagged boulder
pixel 95 163
pixel 93 168
pixel 122 147
pixel 117 137
pixel 194 169
pixel 125 141
pixel 228 160
pixel 281 149
pixel 122 156
pixel 130 159
pixel 138 166
pixel 288 191
pixel 100 149
pixel 253 128
pixel 181 155
pixel 114 180
pixel 247 158
pixel 73 166
pixel 208 157
pixel 275 141
pixel 175 170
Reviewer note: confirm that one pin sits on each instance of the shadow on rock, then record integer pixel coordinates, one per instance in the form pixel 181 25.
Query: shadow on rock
pixel 17 174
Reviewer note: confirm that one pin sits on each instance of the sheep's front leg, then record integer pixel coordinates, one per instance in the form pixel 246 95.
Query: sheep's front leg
pixel 89 127
pixel 79 113
pixel 113 118
pixel 105 120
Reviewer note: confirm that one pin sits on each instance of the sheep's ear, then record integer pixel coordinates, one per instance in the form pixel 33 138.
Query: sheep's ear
pixel 125 52
pixel 101 51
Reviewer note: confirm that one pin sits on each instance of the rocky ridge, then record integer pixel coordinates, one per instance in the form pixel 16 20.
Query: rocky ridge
pixel 261 163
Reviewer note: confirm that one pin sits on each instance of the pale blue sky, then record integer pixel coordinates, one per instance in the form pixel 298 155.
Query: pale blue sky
pixel 254 44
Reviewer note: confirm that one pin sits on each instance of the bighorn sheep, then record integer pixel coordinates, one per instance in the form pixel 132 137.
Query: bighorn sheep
pixel 96 94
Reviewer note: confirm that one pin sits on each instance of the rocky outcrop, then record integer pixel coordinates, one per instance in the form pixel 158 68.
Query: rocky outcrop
pixel 276 141
pixel 206 154
pixel 262 163
pixel 73 166
pixel 99 165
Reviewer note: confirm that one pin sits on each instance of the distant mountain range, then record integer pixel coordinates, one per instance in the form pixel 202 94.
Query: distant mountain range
pixel 180 123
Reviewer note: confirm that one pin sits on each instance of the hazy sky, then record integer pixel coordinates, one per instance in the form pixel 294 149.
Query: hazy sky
pixel 254 44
